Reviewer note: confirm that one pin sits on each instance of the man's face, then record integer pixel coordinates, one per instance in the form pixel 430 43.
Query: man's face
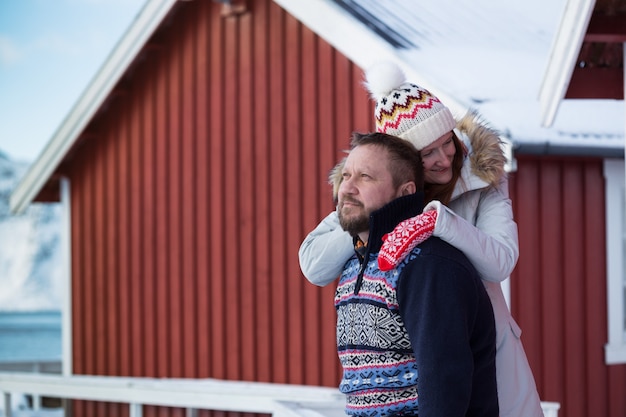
pixel 366 186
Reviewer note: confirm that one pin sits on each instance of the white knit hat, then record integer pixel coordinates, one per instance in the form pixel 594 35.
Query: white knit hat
pixel 404 109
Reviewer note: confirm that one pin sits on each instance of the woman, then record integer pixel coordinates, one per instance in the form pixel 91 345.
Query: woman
pixel 465 179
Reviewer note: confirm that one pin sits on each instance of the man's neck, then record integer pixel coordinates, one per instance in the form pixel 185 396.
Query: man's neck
pixel 383 220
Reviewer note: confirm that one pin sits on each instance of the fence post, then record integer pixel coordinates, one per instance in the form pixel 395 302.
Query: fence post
pixel 136 410
pixel 36 397
pixel 7 404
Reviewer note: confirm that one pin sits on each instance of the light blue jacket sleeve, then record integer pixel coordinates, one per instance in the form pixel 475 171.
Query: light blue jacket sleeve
pixel 324 251
pixel 483 229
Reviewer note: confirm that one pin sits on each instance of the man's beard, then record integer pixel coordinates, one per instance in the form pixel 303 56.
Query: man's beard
pixel 355 224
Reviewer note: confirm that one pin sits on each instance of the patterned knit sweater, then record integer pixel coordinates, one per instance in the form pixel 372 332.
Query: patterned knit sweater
pixel 420 338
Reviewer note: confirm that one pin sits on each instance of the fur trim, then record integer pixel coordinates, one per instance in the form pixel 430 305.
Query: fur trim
pixel 487 156
pixel 335 178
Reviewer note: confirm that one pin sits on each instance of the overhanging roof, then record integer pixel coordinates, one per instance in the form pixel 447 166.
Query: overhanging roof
pixel 587 56
pixel 360 41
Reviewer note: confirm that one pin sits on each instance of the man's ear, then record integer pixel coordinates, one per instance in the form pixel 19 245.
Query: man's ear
pixel 407 188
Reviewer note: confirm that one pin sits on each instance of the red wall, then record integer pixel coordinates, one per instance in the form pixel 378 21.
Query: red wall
pixel 191 192
pixel 559 285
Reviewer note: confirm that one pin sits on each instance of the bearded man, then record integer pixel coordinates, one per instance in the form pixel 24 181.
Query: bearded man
pixel 418 339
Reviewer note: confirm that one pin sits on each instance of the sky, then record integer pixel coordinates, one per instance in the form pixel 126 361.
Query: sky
pixel 49 52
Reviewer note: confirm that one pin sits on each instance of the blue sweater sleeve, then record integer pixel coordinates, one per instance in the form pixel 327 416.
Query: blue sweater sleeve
pixel 439 301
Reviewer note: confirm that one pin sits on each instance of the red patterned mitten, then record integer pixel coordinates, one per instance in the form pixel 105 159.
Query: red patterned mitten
pixel 406 236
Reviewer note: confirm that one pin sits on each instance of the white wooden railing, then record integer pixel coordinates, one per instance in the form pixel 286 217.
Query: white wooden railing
pixel 52 366
pixel 279 400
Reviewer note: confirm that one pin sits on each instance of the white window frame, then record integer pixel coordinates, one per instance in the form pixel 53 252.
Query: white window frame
pixel 66 256
pixel 615 349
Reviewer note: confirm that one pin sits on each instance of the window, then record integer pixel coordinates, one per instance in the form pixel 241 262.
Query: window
pixel 615 349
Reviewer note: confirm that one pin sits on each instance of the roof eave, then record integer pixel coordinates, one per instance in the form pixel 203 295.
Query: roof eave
pixel 40 171
pixel 562 59
pixel 548 148
pixel 359 43
pixel 341 30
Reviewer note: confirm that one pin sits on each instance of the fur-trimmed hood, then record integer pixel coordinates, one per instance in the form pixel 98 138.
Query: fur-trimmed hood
pixel 485 152
pixel 486 156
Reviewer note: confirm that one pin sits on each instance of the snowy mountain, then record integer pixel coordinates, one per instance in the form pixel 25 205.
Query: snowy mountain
pixel 30 256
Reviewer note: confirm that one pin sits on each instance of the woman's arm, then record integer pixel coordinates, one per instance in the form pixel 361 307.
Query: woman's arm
pixel 491 242
pixel 324 251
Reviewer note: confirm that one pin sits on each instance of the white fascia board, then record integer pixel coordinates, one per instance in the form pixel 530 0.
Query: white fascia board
pixel 358 43
pixel 562 59
pixel 148 19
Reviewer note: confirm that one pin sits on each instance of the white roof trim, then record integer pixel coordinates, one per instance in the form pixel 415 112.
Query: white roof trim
pixel 565 49
pixel 146 22
pixel 359 43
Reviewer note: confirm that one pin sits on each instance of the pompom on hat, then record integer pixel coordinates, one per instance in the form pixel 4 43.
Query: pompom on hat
pixel 406 110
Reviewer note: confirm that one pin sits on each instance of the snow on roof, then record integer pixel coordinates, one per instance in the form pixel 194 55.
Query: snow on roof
pixel 482 54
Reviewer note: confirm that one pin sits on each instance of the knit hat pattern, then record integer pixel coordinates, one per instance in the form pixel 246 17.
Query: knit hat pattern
pixel 404 109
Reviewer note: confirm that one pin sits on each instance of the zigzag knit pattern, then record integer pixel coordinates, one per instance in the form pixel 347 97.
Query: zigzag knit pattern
pixel 405 108
pixel 380 373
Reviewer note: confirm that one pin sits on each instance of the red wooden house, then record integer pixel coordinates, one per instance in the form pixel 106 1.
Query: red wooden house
pixel 194 164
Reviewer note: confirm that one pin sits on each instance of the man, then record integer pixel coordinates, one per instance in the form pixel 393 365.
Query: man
pixel 418 339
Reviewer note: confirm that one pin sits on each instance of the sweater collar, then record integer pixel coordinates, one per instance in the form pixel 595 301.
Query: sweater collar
pixel 385 219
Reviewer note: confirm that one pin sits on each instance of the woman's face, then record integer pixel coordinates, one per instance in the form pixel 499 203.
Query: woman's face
pixel 437 159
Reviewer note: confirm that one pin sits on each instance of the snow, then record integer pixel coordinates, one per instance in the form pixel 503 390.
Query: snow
pixel 492 56
pixel 30 263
